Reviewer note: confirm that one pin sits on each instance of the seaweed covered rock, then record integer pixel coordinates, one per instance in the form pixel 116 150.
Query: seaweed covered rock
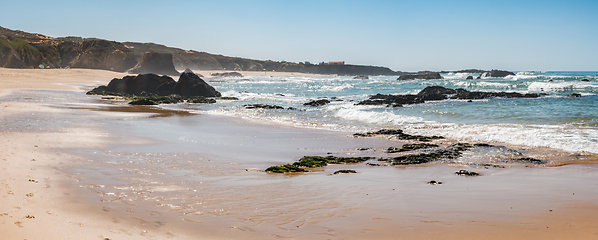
pixel 157 63
pixel 190 84
pixel 411 159
pixel 155 100
pixel 263 106
pixel 316 161
pixel 285 169
pixel 399 134
pixel 427 75
pixel 410 147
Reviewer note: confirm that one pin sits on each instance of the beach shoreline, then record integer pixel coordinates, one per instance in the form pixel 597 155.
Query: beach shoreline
pixel 58 204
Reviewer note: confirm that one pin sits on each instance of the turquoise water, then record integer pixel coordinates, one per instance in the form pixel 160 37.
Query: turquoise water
pixel 556 120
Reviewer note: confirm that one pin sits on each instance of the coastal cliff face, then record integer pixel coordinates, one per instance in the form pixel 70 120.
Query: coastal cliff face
pixel 25 50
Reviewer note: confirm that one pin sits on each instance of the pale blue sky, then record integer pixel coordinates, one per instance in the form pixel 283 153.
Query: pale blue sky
pixel 402 35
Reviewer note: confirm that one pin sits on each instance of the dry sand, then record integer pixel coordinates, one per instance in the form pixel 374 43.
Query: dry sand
pixel 40 197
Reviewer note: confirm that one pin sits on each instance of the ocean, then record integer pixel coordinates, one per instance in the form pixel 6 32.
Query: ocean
pixel 557 120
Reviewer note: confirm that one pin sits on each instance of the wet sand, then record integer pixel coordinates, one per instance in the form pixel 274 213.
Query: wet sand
pixel 79 167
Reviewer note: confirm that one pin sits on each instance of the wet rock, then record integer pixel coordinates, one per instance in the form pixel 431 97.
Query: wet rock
pixel 495 73
pixel 364 149
pixel 143 102
pixel 227 74
pixel 263 106
pixel 190 84
pixel 285 169
pixel 410 147
pixel 345 172
pixel 585 80
pixel 469 78
pixel 229 98
pixel 411 159
pixel 154 100
pixel 528 160
pixel 464 172
pixel 362 77
pixel 427 75
pixel 434 182
pixel 574 95
pixel 201 100
pixel 399 135
pixel 316 161
pixel 317 103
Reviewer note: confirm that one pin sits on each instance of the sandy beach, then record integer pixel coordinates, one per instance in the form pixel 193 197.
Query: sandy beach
pixel 82 167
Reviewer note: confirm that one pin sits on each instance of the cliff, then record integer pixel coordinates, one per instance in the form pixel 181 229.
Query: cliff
pixel 26 50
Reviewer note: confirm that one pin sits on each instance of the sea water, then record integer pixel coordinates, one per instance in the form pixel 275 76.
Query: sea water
pixel 557 120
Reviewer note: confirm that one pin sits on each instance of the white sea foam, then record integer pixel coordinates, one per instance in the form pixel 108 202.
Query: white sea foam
pixel 571 139
pixel 336 88
pixel 452 75
pixel 561 86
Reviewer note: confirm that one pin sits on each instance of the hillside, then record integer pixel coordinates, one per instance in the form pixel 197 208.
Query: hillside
pixel 20 49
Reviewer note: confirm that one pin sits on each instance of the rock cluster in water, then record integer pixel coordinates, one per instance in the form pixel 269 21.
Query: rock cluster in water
pixel 434 93
pixel 427 75
pixel 189 85
pixel 495 73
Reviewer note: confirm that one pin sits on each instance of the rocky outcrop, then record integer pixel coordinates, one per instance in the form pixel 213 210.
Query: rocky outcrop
pixel 157 63
pixel 469 78
pixel 316 103
pixel 427 75
pixel 361 77
pixel 495 73
pixel 227 74
pixel 189 85
pixel 432 93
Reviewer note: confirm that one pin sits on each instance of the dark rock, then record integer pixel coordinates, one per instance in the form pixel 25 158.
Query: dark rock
pixel 528 160
pixel 202 100
pixel 155 62
pixel 410 147
pixel 190 84
pixel 143 102
pixel 464 172
pixel 411 159
pixel 398 134
pixel 285 169
pixel 434 182
pixel 315 161
pixel 140 85
pixel 362 77
pixel 227 74
pixel 585 80
pixel 263 106
pixel 187 70
pixel 575 95
pixel 495 73
pixel 345 171
pixel 469 78
pixel 229 98
pixel 427 75
pixel 316 103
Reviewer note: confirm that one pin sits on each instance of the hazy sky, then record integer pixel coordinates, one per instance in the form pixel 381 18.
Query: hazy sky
pixel 402 35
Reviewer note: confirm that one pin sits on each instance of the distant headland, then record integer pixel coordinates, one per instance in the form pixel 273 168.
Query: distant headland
pixel 20 49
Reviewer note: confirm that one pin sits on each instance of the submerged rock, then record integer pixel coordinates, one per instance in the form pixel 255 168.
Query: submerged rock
pixel 317 103
pixel 434 182
pixel 428 75
pixel 495 73
pixel 398 134
pixel 411 159
pixel 469 78
pixel 362 77
pixel 345 172
pixel 227 74
pixel 263 106
pixel 433 93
